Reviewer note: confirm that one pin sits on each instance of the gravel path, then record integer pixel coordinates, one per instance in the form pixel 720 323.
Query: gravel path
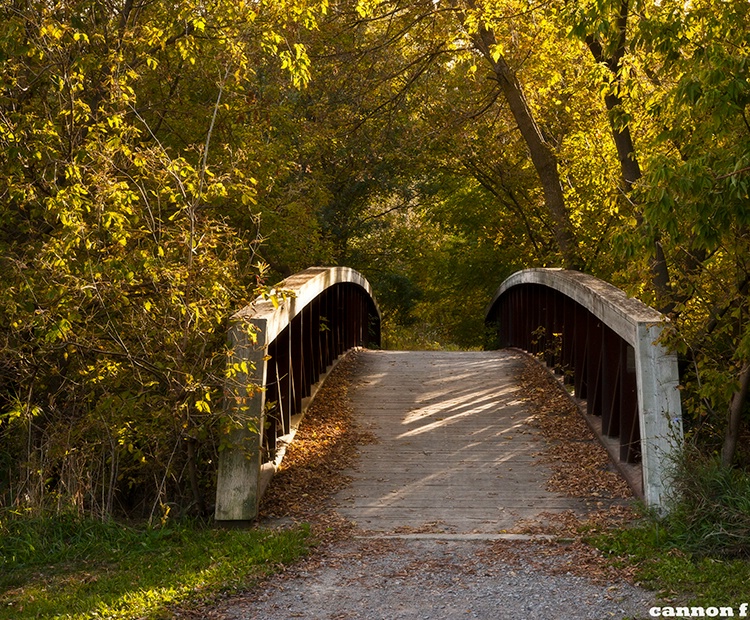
pixel 419 579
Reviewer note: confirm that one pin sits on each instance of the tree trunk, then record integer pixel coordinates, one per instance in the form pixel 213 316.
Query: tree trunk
pixel 542 155
pixel 631 173
pixel 736 405
pixel 629 166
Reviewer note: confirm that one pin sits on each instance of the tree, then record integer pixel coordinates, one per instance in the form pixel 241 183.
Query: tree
pixel 672 74
pixel 604 29
pixel 696 189
pixel 542 154
pixel 674 86
pixel 121 244
pixel 456 25
pixel 403 118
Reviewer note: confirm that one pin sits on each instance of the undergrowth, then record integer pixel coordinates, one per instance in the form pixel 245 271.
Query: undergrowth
pixel 710 507
pixel 67 567
pixel 699 553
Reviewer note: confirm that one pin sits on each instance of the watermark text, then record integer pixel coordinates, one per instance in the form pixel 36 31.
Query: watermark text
pixel 700 612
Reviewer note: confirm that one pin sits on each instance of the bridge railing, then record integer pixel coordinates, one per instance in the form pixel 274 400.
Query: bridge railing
pixel 606 345
pixel 279 352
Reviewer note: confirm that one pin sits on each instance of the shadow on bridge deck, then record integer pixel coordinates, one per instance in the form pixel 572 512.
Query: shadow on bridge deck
pixel 454 455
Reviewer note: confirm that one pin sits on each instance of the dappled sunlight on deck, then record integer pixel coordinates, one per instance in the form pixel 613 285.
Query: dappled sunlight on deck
pixel 454 452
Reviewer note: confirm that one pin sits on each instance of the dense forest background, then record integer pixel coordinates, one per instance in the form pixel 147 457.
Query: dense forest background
pixel 162 162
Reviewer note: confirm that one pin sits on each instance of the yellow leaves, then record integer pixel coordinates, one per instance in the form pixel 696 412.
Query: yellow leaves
pixel 196 310
pixel 101 370
pixel 199 23
pixel 217 190
pixel 186 49
pixel 19 410
pixel 154 36
pixel 139 160
pixel 497 51
pixel 559 103
pixel 235 369
pixel 275 301
pixel 114 121
pixel 203 406
pixel 53 30
pixel 94 188
pixel 58 33
pixel 252 334
pixel 248 199
pixel 58 331
pixel 364 8
pixel 248 10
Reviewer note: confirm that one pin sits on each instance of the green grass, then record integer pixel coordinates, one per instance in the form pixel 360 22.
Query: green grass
pixel 64 567
pixel 699 554
pixel 663 564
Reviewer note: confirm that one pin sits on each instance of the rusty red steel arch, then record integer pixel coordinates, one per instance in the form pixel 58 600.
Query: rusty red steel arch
pixel 281 350
pixel 606 345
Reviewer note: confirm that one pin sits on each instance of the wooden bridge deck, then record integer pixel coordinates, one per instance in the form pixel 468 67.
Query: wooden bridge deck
pixel 454 456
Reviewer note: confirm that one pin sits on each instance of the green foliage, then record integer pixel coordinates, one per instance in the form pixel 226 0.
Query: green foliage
pixel 696 190
pixel 701 549
pixel 700 552
pixel 127 238
pixel 64 566
pixel 710 507
pixel 155 156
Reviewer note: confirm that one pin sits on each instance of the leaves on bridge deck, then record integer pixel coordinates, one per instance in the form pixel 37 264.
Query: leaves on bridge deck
pixel 326 444
pixel 580 468
pixel 328 440
pixel 580 465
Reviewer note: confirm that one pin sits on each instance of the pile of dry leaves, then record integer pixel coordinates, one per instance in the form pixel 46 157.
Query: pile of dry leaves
pixel 326 444
pixel 580 464
pixel 580 468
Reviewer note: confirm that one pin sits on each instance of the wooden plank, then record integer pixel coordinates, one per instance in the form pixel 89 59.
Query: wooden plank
pixel 454 451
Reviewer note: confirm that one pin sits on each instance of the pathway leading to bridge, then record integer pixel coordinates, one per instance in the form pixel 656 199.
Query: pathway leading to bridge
pixel 454 455
pixel 454 469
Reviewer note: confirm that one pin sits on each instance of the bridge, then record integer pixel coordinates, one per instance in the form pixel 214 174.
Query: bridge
pixel 449 424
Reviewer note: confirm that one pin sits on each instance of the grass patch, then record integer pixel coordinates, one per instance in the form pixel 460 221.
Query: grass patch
pixel 711 515
pixel 665 566
pixel 65 567
pixel 700 553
